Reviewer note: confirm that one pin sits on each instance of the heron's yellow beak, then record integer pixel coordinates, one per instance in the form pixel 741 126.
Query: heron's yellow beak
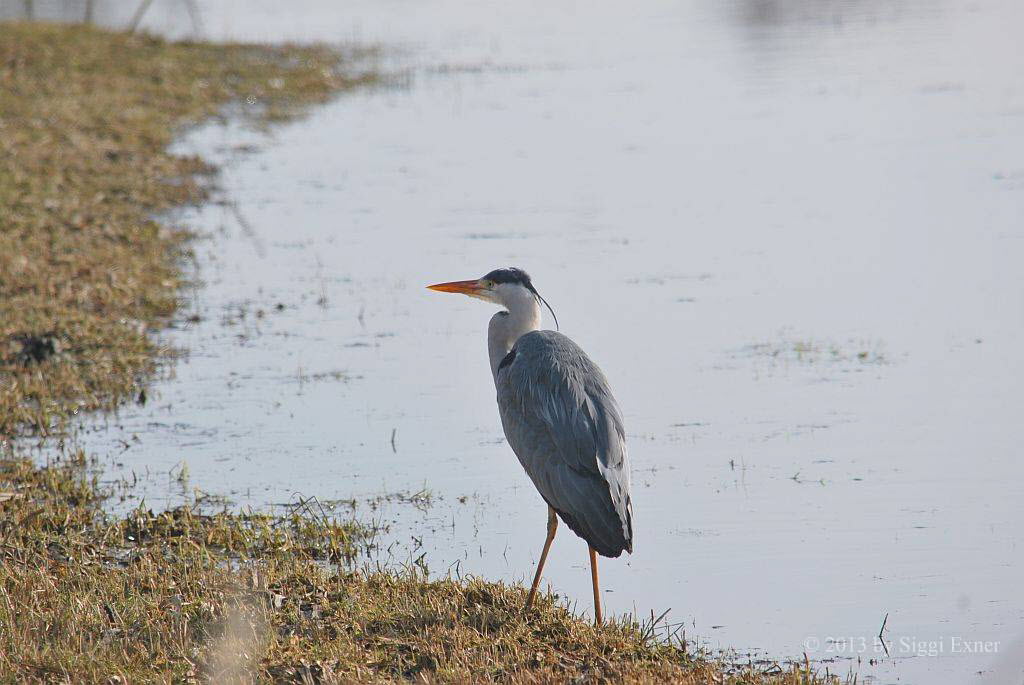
pixel 472 288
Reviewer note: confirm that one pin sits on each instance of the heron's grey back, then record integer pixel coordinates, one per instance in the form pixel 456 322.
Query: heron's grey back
pixel 564 425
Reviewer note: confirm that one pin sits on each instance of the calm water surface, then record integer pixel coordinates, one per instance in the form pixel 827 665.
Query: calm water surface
pixel 790 232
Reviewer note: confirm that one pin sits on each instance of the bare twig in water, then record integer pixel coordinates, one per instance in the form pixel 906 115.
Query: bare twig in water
pixel 881 630
pixel 247 229
pixel 322 300
pixel 139 13
pixel 193 14
pixel 190 6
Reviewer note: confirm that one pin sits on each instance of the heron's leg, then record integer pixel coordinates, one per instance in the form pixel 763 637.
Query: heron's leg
pixel 597 591
pixel 552 527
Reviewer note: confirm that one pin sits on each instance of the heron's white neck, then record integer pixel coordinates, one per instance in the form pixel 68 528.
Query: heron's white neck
pixel 506 327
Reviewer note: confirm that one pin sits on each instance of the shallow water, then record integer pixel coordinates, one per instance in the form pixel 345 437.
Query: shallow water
pixel 790 233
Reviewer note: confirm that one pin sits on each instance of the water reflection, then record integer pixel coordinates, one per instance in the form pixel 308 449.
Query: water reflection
pixel 828 14
pixel 171 17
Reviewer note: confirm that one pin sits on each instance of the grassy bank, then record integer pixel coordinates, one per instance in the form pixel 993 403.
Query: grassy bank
pixel 86 277
pixel 85 272
pixel 180 595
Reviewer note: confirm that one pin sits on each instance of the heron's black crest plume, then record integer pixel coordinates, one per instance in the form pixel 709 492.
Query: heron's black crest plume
pixel 516 275
pixel 553 315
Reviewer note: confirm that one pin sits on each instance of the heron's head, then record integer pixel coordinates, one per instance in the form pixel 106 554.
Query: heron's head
pixel 508 288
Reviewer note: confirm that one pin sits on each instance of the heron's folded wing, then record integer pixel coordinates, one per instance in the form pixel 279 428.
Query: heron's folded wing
pixel 564 425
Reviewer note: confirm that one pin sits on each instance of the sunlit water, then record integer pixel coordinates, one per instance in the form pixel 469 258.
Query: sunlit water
pixel 790 232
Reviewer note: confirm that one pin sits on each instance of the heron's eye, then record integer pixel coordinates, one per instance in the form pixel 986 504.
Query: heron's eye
pixel 488 284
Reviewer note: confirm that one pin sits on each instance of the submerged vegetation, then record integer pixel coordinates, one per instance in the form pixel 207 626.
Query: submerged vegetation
pixel 86 277
pixel 852 354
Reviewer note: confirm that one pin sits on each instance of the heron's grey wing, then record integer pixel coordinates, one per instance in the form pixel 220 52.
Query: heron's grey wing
pixel 564 425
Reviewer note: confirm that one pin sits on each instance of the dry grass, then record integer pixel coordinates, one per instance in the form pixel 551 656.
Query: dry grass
pixel 86 274
pixel 181 596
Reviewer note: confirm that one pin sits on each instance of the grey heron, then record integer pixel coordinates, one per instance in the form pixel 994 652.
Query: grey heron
pixel 560 419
